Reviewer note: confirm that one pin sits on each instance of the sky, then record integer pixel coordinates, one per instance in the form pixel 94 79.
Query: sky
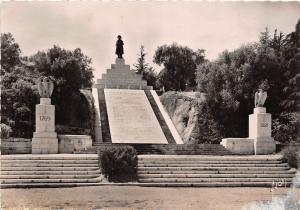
pixel 93 26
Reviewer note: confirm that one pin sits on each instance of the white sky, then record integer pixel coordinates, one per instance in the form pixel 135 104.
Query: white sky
pixel 94 26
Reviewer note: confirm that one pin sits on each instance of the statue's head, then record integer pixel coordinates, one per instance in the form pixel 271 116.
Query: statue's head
pixel 119 37
pixel 264 86
pixel 46 79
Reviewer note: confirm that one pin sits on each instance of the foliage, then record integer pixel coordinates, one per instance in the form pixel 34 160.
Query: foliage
pixel 70 130
pixel 10 53
pixel 71 71
pixel 286 128
pixel 291 155
pixel 143 68
pixel 291 55
pixel 18 99
pixel 5 131
pixel 118 163
pixel 207 130
pixel 232 79
pixel 179 66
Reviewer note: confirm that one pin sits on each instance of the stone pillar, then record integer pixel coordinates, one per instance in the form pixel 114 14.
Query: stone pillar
pixel 260 124
pixel 44 139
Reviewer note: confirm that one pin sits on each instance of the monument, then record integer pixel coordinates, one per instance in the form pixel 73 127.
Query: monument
pixel 44 139
pixel 129 111
pixel 260 126
pixel 259 141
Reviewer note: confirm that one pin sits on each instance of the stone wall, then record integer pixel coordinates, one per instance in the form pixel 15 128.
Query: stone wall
pixel 66 144
pixel 73 143
pixel 15 146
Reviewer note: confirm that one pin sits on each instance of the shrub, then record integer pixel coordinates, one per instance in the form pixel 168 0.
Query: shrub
pixel 285 128
pixel 291 155
pixel 118 163
pixel 5 131
pixel 70 130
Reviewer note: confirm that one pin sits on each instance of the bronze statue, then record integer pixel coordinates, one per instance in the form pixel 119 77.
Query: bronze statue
pixel 260 98
pixel 119 47
pixel 45 87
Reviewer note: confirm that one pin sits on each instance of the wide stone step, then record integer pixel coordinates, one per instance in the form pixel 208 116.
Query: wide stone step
pixel 208 158
pixel 48 168
pixel 25 172
pixel 209 162
pixel 216 175
pixel 49 157
pixel 210 165
pixel 49 165
pixel 47 185
pixel 215 172
pixel 214 184
pixel 47 176
pixel 8 161
pixel 217 168
pixel 131 75
pixel 199 180
pixel 12 181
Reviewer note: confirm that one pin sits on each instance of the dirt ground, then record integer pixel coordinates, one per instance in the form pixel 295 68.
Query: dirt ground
pixel 133 197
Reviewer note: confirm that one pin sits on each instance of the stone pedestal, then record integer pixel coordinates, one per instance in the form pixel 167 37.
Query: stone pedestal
pixel 44 139
pixel 260 124
pixel 259 141
pixel 240 146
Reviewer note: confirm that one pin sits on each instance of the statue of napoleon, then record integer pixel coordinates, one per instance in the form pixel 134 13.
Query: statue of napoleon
pixel 45 87
pixel 119 47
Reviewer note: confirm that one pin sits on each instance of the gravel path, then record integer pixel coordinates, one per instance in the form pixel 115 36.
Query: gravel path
pixel 125 197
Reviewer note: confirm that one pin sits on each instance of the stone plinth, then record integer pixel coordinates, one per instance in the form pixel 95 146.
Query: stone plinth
pixel 45 138
pixel 260 124
pixel 240 146
pixel 260 141
pixel 73 143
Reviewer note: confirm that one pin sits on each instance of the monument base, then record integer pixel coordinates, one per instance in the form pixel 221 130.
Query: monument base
pixel 264 145
pixel 239 146
pixel 44 143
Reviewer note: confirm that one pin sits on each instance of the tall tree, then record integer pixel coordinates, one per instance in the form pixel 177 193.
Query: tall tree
pixel 142 67
pixel 10 53
pixel 70 70
pixel 292 75
pixel 179 66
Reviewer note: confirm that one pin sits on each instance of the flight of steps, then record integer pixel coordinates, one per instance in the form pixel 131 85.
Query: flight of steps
pixel 170 149
pixel 59 170
pixel 213 171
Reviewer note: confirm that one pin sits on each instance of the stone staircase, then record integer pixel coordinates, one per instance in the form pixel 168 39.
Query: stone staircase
pixel 213 171
pixel 169 149
pixel 49 170
pixel 119 76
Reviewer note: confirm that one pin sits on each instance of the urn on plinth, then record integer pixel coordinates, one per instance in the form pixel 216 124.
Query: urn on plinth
pixel 44 139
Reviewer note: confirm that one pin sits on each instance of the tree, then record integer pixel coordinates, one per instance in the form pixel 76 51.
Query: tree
pixel 143 68
pixel 232 79
pixel 291 56
pixel 70 71
pixel 10 53
pixel 179 66
pixel 18 97
pixel 141 65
